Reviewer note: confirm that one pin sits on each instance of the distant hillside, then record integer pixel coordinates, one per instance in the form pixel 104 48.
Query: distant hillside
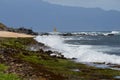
pixel 42 16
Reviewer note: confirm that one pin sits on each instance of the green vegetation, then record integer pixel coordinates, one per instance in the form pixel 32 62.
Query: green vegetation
pixel 66 68
pixel 20 43
pixel 3 67
pixel 42 64
pixel 56 65
pixel 5 76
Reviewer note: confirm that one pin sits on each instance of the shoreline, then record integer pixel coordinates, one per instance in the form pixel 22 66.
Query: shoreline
pixel 24 58
pixel 16 53
pixel 14 34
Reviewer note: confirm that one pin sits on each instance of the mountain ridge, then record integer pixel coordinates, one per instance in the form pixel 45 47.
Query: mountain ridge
pixel 42 17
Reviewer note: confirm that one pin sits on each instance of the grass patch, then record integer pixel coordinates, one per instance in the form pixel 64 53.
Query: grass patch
pixel 3 67
pixel 4 76
pixel 20 43
pixel 57 66
pixel 12 43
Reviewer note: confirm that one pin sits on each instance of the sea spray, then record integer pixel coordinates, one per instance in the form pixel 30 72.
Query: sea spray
pixel 83 53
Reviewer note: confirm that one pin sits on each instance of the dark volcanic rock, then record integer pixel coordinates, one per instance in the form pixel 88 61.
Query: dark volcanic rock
pixel 2 27
pixel 27 31
pixel 20 30
pixel 67 34
pixel 110 34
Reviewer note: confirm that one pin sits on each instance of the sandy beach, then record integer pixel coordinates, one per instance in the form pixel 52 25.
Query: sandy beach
pixel 13 34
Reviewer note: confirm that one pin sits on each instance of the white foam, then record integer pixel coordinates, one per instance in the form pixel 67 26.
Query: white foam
pixel 83 53
pixel 115 32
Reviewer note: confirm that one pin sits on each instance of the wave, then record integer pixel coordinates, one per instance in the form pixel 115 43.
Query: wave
pixel 104 33
pixel 115 32
pixel 83 53
pixel 97 33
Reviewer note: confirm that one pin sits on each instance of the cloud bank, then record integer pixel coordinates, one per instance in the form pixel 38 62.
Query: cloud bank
pixel 103 4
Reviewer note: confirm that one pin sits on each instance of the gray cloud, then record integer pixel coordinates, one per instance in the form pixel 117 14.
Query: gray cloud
pixel 103 4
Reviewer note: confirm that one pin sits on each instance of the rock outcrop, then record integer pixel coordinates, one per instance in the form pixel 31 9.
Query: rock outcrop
pixel 2 27
pixel 18 30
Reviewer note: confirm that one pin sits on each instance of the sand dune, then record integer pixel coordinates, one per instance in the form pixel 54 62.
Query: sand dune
pixel 13 34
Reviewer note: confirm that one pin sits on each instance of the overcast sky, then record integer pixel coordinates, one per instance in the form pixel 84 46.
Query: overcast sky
pixel 103 4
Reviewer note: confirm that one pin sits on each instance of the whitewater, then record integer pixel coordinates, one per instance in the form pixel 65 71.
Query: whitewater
pixel 85 48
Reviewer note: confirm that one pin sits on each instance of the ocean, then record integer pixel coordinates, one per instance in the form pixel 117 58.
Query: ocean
pixel 85 46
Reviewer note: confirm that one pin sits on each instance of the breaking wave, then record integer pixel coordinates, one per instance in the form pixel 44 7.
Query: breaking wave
pixel 83 53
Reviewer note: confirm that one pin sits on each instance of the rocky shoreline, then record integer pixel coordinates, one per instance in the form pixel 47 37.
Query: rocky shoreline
pixel 11 55
pixel 40 65
pixel 26 59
